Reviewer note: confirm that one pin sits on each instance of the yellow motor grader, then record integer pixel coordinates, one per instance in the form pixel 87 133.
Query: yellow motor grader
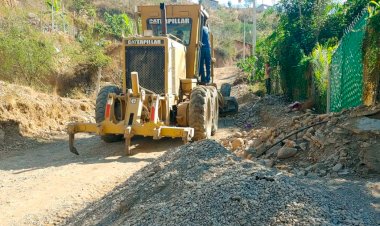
pixel 161 95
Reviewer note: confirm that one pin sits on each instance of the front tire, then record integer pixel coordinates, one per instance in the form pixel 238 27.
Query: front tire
pixel 100 109
pixel 200 108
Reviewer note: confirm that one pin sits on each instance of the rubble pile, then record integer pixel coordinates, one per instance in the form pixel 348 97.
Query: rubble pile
pixel 322 144
pixel 202 183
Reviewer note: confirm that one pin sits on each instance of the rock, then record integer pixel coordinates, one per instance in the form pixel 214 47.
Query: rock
pixel 340 131
pixel 237 143
pixel 238 134
pixel 268 162
pixel 290 143
pixel 371 157
pixel 2 136
pixel 362 145
pixel 286 152
pixel 244 133
pixel 337 167
pixel 303 146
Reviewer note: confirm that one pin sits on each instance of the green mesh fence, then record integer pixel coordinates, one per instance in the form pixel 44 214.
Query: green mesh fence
pixel 346 72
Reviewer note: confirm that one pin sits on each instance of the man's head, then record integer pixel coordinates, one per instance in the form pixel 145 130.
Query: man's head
pixel 179 34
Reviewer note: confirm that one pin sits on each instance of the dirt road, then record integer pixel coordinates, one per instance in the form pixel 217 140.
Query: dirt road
pixel 48 183
pixel 45 183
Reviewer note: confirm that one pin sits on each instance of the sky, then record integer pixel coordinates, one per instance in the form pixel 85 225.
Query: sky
pixel 258 2
pixel 236 2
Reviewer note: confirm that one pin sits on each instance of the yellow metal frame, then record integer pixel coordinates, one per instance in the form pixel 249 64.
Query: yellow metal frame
pixel 154 128
pixel 133 99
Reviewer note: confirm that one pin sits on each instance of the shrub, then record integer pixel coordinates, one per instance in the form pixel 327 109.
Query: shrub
pixel 26 56
pixel 321 60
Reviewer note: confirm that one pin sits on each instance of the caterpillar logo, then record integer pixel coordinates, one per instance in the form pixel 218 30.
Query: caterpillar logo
pixel 170 21
pixel 145 42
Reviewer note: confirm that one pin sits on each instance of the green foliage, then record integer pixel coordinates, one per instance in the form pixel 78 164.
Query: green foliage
pixel 247 66
pixel 374 15
pixel 94 51
pixel 116 25
pixel 55 4
pixel 26 56
pixel 321 60
pixel 84 7
pixel 303 24
pixel 373 8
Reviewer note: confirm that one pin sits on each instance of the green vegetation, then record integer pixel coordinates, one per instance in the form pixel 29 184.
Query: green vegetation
pixel 48 45
pixel 302 42
pixel 26 56
pixel 117 25
pixel 371 54
pixel 321 60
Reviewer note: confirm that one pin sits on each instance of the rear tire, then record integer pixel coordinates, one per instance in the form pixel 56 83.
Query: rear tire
pixel 215 109
pixel 225 89
pixel 100 109
pixel 200 108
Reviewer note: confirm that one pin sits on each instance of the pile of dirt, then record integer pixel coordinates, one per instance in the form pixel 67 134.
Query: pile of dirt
pixel 204 184
pixel 322 144
pixel 26 113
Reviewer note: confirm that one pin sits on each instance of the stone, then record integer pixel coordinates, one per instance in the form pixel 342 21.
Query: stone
pixel 371 157
pixel 340 131
pixel 290 143
pixel 238 134
pixel 303 146
pixel 244 133
pixel 286 152
pixel 362 145
pixel 268 162
pixel 2 136
pixel 237 143
pixel 337 167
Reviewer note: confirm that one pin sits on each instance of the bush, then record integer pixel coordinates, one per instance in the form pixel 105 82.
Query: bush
pixel 26 56
pixel 247 65
pixel 321 60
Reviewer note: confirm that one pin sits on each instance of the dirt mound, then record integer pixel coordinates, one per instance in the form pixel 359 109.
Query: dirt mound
pixel 24 112
pixel 322 144
pixel 204 184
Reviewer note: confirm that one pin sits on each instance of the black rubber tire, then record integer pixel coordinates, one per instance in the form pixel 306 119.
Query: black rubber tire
pixel 215 109
pixel 225 89
pixel 200 113
pixel 100 108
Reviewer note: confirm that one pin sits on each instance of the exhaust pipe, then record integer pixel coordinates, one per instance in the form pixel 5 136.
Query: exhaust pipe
pixel 163 19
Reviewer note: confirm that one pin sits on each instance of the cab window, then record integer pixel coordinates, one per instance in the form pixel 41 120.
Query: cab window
pixel 179 27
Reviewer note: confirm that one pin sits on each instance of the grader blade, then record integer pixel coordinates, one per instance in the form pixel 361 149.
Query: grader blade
pixel 71 144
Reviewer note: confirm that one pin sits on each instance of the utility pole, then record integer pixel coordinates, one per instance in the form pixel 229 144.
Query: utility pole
pixel 254 36
pixel 244 40
pixel 52 16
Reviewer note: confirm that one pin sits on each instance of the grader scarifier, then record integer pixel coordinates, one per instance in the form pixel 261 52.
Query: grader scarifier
pixel 161 95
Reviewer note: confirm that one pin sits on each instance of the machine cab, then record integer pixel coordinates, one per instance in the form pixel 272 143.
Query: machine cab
pixel 184 23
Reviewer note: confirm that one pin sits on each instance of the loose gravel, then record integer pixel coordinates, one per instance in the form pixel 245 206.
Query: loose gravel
pixel 204 184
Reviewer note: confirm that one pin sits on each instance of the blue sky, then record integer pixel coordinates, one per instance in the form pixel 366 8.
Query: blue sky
pixel 258 2
pixel 235 2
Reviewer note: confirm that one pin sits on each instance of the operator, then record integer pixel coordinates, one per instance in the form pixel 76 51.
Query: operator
pixel 179 34
pixel 268 85
pixel 205 57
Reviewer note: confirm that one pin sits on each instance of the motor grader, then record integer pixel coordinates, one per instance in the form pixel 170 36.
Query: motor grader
pixel 160 95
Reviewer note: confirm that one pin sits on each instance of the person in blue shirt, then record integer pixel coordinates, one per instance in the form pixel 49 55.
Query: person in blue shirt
pixel 205 57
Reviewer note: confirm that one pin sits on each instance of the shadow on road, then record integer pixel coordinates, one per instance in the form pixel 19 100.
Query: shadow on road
pixel 91 149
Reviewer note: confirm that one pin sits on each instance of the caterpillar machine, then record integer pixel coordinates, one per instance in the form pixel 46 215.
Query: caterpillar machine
pixel 161 95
